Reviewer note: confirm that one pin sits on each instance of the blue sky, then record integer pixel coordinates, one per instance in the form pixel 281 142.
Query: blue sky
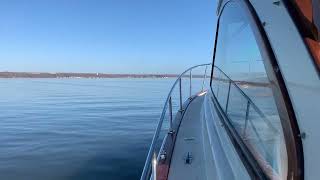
pixel 110 36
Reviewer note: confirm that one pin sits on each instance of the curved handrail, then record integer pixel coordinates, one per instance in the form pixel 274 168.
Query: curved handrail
pixel 146 170
pixel 147 165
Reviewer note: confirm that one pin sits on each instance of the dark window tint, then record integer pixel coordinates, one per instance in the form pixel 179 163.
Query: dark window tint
pixel 242 87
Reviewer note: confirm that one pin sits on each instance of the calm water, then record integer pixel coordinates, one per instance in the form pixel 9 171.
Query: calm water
pixel 77 128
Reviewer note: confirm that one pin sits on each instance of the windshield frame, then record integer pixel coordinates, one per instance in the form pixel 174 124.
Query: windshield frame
pixel 288 120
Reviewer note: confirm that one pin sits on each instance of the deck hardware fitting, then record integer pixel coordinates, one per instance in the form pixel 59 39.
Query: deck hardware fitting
pixel 276 3
pixel 189 139
pixel 188 158
pixel 163 156
pixel 171 132
pixel 264 23
pixel 302 135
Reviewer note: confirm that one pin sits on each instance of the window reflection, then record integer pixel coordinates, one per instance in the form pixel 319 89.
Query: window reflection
pixel 243 90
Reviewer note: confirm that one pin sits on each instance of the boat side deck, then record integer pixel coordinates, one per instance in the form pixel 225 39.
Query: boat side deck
pixel 188 160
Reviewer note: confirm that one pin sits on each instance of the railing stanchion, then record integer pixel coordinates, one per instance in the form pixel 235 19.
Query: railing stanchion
pixel 246 121
pixel 228 96
pixel 154 166
pixel 147 169
pixel 180 90
pixel 170 114
pixel 204 77
pixel 190 84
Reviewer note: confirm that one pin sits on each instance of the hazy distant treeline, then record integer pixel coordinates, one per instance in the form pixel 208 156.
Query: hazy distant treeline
pixel 86 75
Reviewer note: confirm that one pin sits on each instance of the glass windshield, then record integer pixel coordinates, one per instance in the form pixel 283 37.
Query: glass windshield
pixel 242 87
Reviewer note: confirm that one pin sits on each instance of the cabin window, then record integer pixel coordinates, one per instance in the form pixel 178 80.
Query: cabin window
pixel 243 90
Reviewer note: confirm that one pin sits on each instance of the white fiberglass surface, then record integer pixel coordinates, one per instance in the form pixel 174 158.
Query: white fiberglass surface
pixel 300 75
pixel 222 160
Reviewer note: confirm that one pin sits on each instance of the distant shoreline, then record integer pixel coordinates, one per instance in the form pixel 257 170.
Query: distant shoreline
pixel 9 75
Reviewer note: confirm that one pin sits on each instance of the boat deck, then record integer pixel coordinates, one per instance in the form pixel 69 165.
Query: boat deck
pixel 188 144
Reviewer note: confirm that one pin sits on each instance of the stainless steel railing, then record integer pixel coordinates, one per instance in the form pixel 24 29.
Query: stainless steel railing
pixel 249 102
pixel 146 173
